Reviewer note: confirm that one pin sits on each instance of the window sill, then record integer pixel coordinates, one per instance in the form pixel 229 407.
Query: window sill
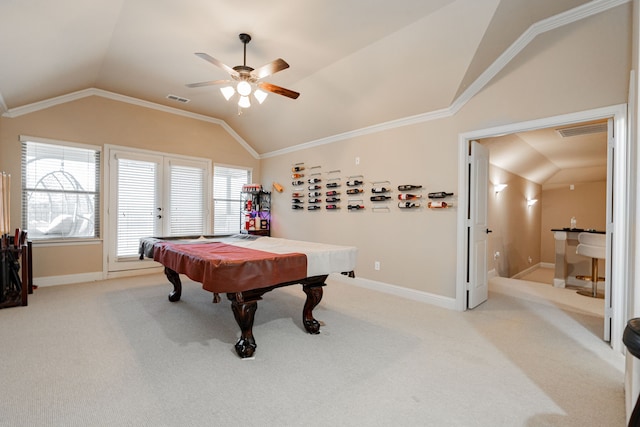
pixel 42 243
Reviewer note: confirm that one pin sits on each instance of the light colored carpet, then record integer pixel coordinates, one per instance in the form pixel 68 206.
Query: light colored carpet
pixel 118 353
pixel 540 274
pixel 563 297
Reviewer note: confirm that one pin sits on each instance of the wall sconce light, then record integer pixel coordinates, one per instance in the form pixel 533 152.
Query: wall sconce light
pixel 531 202
pixel 499 187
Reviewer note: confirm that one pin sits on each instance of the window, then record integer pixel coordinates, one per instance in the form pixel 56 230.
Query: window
pixel 227 186
pixel 136 205
pixel 60 190
pixel 187 204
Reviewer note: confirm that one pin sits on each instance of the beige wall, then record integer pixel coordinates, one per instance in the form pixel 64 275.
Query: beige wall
pixel 520 232
pixel 575 68
pixel 516 226
pixel 99 121
pixel 587 202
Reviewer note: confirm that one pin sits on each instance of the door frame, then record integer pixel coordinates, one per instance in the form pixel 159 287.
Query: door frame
pixel 621 222
pixel 146 266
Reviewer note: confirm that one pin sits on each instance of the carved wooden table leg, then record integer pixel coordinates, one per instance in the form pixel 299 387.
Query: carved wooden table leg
pixel 174 278
pixel 314 295
pixel 244 312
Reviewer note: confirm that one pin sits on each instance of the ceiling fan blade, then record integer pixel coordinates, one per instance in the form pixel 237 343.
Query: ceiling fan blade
pixel 278 90
pixel 216 62
pixel 270 68
pixel 209 83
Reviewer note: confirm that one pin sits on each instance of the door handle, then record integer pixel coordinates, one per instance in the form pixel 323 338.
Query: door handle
pixel 488 231
pixel 159 216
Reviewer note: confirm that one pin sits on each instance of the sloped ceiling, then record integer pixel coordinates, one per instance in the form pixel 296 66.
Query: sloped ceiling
pixel 356 63
pixel 548 158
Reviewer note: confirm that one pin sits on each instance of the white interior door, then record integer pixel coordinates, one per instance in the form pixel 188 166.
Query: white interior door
pixel 135 206
pixel 477 230
pixel 608 302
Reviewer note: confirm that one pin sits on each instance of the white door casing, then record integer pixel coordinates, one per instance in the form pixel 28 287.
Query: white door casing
pixel 617 240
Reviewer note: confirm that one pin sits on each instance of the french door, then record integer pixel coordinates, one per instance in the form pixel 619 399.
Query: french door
pixel 153 194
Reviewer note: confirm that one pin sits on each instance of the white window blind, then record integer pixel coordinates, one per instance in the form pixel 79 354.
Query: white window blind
pixel 60 190
pixel 227 186
pixel 187 203
pixel 137 206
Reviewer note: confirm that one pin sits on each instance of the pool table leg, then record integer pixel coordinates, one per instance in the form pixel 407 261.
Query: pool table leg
pixel 174 278
pixel 244 312
pixel 314 295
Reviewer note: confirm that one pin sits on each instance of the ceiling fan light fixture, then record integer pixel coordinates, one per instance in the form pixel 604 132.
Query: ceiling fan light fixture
pixel 260 95
pixel 244 102
pixel 245 79
pixel 244 88
pixel 227 92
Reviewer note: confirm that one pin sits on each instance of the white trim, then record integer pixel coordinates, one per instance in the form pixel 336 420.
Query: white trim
pixel 3 106
pixel 526 271
pixel 67 279
pixel 134 273
pixel 41 105
pixel 411 294
pixel 418 118
pixel 578 13
pixel 46 243
pixel 622 176
pixel 551 23
pixel 27 138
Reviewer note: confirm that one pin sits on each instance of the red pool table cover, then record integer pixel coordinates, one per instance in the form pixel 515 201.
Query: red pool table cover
pixel 236 265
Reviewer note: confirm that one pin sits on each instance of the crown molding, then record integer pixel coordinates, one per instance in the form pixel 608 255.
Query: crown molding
pixel 568 17
pixel 3 106
pixel 406 121
pixel 576 14
pixel 48 103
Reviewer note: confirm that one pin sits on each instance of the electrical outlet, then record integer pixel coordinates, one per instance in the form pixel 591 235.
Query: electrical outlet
pixel 376 265
pixel 357 161
pixel 530 260
pixel 496 255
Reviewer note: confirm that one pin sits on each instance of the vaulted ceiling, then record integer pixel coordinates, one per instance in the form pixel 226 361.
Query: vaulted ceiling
pixel 356 63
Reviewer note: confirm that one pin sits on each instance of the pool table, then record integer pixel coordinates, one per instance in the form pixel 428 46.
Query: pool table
pixel 245 267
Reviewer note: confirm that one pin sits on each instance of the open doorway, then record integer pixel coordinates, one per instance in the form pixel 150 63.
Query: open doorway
pixel 562 172
pixel 546 186
pixel 618 225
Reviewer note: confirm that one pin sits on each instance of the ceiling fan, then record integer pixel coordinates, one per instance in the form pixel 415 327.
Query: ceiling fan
pixel 247 78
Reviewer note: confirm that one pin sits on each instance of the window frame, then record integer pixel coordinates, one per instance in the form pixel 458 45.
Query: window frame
pixel 237 201
pixel 97 193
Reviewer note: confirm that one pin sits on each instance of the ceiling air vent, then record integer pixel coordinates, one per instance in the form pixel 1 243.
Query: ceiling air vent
pixel 177 98
pixel 582 130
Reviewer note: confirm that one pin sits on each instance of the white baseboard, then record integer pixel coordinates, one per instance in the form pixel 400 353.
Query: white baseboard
pixel 547 265
pixel 412 294
pixel 91 277
pixel 525 272
pixel 133 273
pixel 67 279
pixel 492 273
